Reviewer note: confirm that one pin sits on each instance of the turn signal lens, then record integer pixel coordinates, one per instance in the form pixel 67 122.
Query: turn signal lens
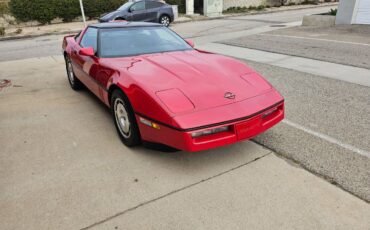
pixel 149 123
pixel 210 131
pixel 156 126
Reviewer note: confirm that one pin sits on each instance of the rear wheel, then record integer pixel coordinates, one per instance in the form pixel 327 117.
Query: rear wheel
pixel 165 20
pixel 73 81
pixel 124 119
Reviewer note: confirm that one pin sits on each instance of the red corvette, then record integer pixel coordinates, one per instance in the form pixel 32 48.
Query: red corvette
pixel 160 89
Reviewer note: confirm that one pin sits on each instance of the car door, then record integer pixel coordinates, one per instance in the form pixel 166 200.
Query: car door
pixel 152 8
pixel 84 66
pixel 138 12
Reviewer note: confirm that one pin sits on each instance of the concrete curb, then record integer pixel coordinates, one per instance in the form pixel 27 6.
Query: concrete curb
pixel 283 10
pixel 38 35
pixel 318 20
pixel 8 38
pixel 260 12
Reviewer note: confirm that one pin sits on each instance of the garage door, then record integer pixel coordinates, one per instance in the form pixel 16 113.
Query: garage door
pixel 363 12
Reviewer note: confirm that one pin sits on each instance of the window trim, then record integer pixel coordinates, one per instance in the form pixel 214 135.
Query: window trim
pixel 77 36
pixel 144 2
pixel 97 39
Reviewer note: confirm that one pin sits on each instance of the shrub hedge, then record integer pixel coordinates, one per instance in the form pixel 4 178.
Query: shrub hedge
pixel 67 9
pixel 21 10
pixel 46 10
pixel 94 8
pixel 181 4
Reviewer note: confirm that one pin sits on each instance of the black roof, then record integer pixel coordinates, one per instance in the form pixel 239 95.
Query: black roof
pixel 123 24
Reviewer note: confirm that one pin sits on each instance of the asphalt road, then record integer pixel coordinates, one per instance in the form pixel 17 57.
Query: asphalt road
pixel 326 44
pixel 51 45
pixel 335 108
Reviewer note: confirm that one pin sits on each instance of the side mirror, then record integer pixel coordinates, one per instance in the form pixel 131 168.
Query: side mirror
pixel 190 42
pixel 88 51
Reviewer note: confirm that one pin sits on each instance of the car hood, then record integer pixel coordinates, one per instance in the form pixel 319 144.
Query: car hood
pixel 191 80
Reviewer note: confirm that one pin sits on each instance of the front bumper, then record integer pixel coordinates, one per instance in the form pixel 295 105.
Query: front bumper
pixel 239 130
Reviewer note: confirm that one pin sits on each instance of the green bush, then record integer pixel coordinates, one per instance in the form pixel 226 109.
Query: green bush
pixel 95 8
pixel 180 3
pixel 4 9
pixel 21 9
pixel 333 12
pixel 260 7
pixel 46 10
pixel 39 10
pixel 43 11
pixel 67 9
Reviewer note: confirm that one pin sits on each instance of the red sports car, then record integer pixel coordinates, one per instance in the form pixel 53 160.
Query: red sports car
pixel 161 89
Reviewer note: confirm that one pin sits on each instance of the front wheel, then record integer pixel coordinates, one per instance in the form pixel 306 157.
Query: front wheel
pixel 165 20
pixel 124 119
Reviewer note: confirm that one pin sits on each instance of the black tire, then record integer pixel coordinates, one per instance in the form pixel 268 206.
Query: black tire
pixel 72 79
pixel 165 20
pixel 129 134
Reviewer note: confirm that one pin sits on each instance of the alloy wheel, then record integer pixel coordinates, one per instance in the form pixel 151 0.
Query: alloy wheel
pixel 122 118
pixel 165 20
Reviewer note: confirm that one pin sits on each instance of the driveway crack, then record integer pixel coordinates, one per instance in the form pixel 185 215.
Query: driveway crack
pixel 172 192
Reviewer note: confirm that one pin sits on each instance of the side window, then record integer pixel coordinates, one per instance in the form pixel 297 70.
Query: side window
pixel 153 4
pixel 138 6
pixel 90 38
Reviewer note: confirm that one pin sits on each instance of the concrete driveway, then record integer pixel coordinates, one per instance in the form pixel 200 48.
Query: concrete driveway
pixel 63 167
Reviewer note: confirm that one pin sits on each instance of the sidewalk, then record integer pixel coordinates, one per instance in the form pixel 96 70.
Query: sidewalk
pixel 74 27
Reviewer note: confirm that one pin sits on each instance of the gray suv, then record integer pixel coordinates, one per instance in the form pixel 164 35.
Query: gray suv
pixel 142 10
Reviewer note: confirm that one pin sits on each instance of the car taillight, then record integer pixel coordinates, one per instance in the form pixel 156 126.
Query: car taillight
pixel 210 131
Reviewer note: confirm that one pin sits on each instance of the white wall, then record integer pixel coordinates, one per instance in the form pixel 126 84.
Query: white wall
pixel 345 11
pixel 213 8
pixel 234 3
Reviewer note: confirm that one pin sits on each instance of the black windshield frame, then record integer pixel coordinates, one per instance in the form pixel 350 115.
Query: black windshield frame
pixel 99 53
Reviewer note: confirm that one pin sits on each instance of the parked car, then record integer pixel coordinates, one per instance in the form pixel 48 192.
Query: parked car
pixel 161 89
pixel 142 10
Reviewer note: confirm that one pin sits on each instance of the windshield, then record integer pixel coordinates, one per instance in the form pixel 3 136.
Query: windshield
pixel 125 6
pixel 122 42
